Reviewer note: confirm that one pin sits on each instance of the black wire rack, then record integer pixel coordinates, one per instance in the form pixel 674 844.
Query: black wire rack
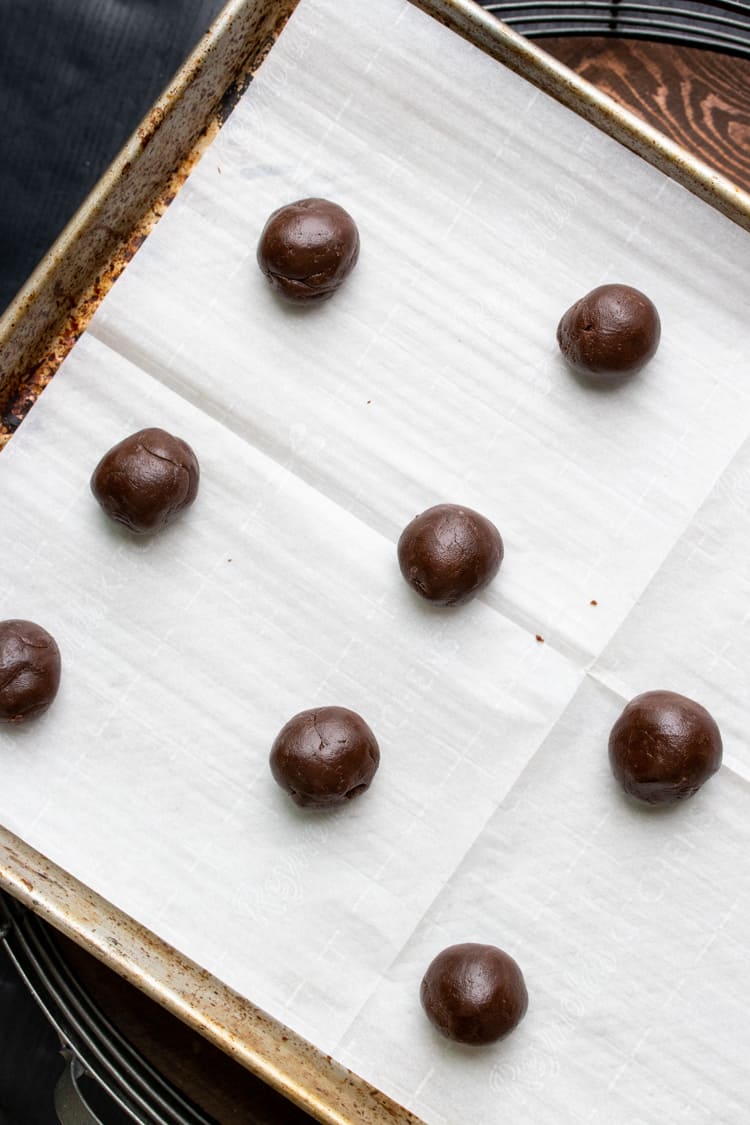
pixel 106 1079
pixel 723 25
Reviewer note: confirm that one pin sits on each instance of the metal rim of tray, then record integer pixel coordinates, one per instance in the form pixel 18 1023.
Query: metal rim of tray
pixel 38 330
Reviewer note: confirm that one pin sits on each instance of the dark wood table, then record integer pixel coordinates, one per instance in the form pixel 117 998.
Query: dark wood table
pixel 700 99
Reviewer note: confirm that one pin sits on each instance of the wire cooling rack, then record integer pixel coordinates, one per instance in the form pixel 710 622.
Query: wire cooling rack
pixel 723 25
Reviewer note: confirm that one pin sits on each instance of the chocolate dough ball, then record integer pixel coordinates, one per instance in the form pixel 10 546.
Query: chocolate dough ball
pixel 324 757
pixel 449 553
pixel 308 249
pixel 612 331
pixel 663 747
pixel 29 671
pixel 146 480
pixel 474 993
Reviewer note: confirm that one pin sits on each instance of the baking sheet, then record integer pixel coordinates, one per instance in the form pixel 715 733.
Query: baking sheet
pixel 485 209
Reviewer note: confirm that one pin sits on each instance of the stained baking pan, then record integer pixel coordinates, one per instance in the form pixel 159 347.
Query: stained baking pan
pixel 35 335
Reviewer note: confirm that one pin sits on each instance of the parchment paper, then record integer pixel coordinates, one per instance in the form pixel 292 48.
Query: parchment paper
pixel 484 210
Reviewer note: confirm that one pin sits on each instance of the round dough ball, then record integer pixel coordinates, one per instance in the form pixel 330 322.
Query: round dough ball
pixel 449 553
pixel 146 480
pixel 663 747
pixel 324 757
pixel 612 331
pixel 474 993
pixel 29 671
pixel 308 249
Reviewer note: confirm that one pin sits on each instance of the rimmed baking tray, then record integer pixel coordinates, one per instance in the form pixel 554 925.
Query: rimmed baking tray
pixel 39 329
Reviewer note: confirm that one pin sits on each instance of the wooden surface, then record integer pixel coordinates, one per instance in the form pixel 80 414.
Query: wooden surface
pixel 700 99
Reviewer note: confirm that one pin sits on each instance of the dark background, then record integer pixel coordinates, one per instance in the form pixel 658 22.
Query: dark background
pixel 29 1055
pixel 76 77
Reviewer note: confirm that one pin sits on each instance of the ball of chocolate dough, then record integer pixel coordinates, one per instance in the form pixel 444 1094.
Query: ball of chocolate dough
pixel 146 480
pixel 612 331
pixel 474 993
pixel 308 249
pixel 324 757
pixel 663 747
pixel 449 553
pixel 29 671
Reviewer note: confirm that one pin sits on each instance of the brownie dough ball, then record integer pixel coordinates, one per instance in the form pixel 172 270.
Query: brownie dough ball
pixel 449 553
pixel 474 993
pixel 308 249
pixel 663 747
pixel 612 331
pixel 29 671
pixel 324 757
pixel 146 480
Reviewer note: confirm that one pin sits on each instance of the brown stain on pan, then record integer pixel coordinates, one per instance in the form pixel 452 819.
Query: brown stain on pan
pixel 30 383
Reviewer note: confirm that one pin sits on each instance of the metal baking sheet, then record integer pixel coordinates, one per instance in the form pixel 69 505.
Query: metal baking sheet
pixel 126 348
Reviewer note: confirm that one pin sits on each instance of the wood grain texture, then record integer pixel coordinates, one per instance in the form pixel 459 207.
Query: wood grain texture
pixel 700 99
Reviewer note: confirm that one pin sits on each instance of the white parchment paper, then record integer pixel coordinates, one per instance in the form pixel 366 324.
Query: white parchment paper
pixel 632 928
pixel 184 655
pixel 484 209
